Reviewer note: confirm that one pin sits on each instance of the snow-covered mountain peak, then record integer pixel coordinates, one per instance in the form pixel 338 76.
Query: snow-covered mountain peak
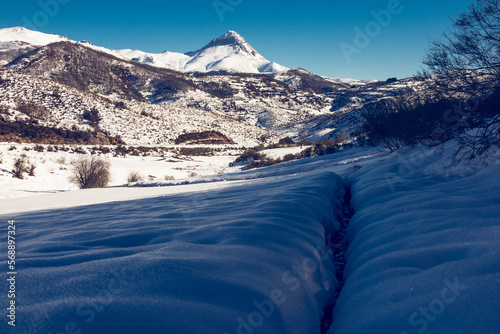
pixel 21 34
pixel 229 53
pixel 229 43
pixel 229 38
pixel 16 30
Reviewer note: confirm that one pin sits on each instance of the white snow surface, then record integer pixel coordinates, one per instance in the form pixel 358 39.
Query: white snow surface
pixel 424 252
pixel 16 37
pixel 20 34
pixel 222 261
pixel 245 252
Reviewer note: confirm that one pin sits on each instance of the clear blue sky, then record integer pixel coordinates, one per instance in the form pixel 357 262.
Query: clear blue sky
pixel 306 34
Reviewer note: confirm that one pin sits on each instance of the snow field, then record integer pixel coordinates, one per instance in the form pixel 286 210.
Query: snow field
pixel 424 253
pixel 244 252
pixel 249 258
pixel 54 169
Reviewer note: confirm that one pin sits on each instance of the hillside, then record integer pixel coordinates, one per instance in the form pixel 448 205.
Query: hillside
pixel 139 123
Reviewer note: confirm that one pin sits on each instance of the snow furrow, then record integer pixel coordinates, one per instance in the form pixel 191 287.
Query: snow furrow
pixel 337 244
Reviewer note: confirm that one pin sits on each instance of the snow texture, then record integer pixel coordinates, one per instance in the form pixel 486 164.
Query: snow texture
pixel 424 253
pixel 248 255
pixel 226 261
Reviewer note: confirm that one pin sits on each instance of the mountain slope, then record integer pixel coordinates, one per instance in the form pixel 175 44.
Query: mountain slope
pixel 287 102
pixel 257 99
pixel 97 72
pixel 137 123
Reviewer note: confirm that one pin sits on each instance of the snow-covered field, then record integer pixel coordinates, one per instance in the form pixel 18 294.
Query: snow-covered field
pixel 250 252
pixel 53 169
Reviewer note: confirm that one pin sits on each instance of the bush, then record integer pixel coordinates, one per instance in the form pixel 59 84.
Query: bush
pixel 485 125
pixel 39 148
pixel 90 172
pixel 134 176
pixel 399 123
pixel 287 141
pixel 92 116
pixel 4 109
pixel 23 165
pixel 205 137
pixel 33 110
pixel 120 105
pixel 31 169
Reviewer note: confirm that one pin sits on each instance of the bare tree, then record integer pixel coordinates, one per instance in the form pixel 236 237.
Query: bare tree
pixel 90 172
pixel 467 66
pixel 473 43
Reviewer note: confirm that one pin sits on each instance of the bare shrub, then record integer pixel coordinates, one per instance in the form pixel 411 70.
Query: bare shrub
pixel 21 166
pixel 92 116
pixel 169 178
pixel 31 168
pixel 193 174
pixel 4 109
pixel 120 105
pixel 134 176
pixel 33 110
pixel 90 172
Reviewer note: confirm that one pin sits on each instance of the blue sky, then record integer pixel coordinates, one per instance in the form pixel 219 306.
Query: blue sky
pixel 320 36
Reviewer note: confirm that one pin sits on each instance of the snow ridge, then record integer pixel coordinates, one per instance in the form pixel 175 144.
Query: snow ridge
pixel 228 53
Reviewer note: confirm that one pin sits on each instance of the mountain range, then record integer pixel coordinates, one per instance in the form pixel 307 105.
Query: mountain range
pixel 229 53
pixel 225 80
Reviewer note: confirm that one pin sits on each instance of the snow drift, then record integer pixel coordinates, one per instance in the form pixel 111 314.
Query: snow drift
pixel 233 260
pixel 424 251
